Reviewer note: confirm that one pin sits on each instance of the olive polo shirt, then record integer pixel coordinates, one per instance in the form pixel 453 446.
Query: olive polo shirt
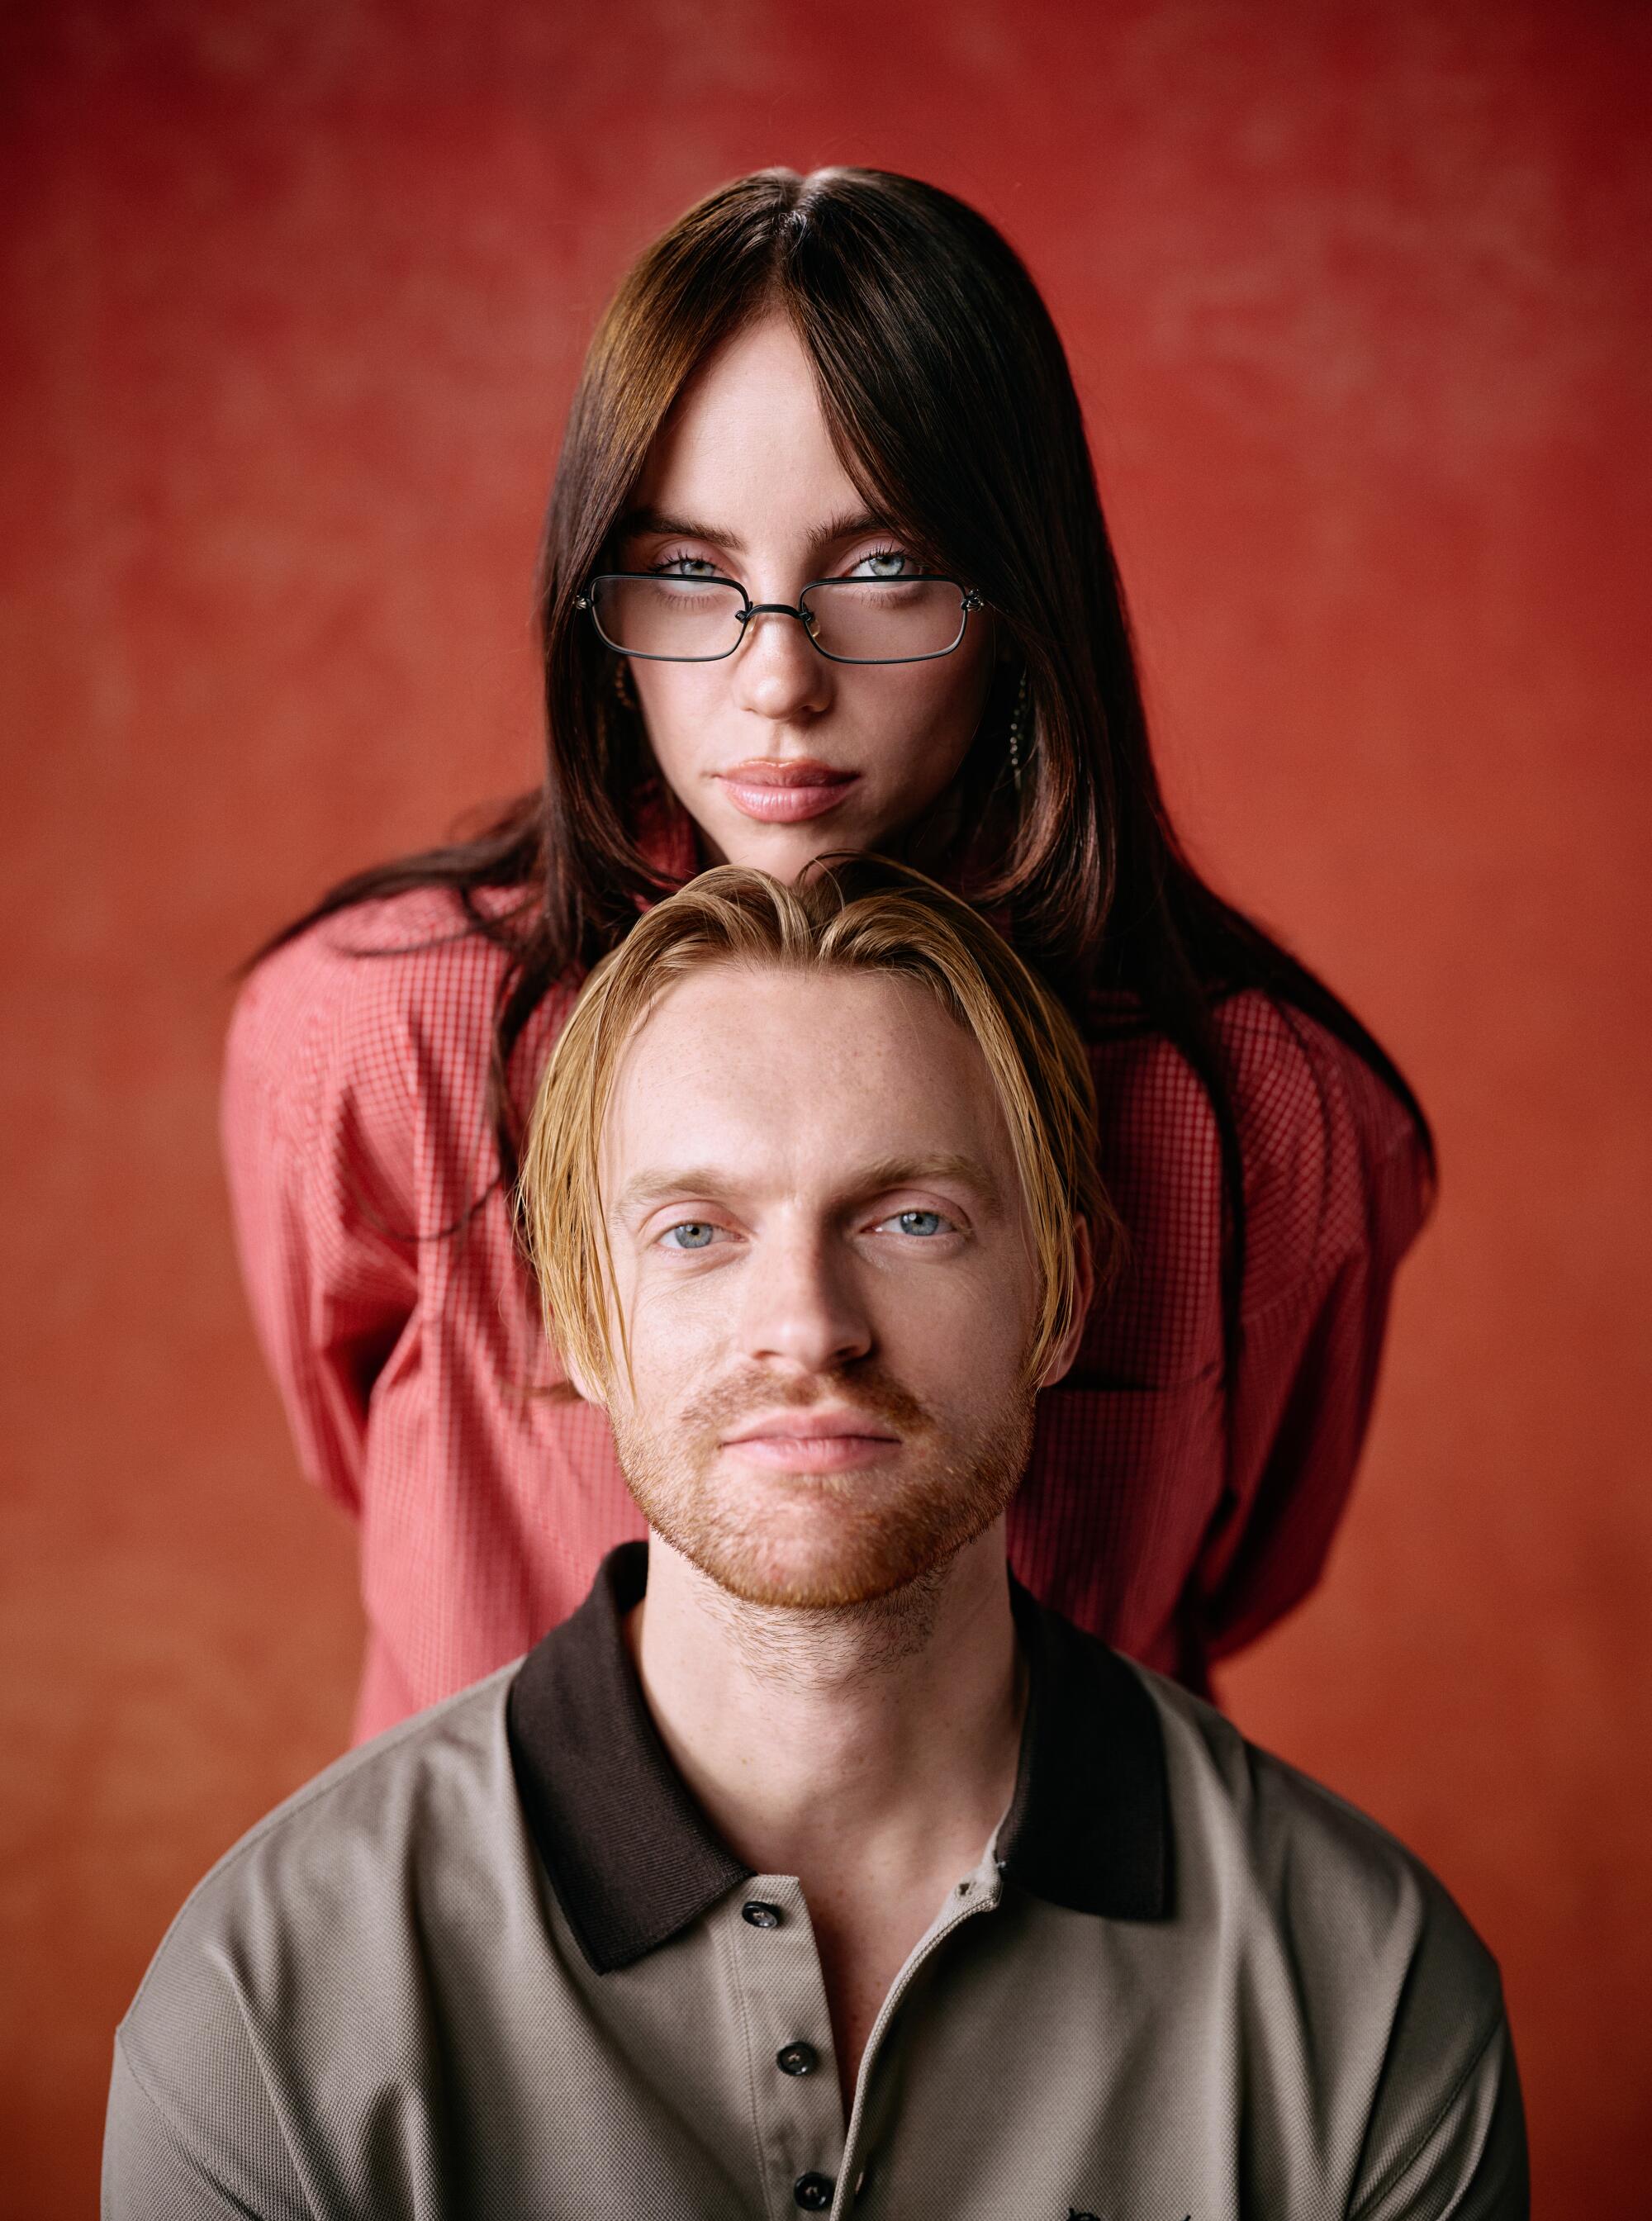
pixel 496 1963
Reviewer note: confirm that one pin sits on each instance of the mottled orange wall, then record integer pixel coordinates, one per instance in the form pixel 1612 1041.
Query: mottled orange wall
pixel 1357 300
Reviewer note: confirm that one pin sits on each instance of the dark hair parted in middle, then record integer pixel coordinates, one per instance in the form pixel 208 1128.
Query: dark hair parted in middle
pixel 953 409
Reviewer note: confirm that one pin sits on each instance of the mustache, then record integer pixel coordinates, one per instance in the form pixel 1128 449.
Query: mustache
pixel 872 1392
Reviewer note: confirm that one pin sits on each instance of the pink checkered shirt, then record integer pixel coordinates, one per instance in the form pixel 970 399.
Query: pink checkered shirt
pixel 1170 1517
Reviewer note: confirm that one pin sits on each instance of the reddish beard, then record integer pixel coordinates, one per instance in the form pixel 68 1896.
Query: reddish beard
pixel 820 1541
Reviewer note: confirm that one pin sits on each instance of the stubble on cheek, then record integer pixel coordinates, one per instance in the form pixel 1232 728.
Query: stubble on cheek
pixel 823 1541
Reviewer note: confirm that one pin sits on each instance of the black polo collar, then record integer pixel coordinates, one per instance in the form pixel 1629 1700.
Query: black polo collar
pixel 633 1859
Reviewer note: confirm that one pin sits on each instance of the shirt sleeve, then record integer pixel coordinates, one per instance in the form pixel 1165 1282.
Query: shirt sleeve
pixel 318 1122
pixel 154 2165
pixel 1336 1190
pixel 1467 2162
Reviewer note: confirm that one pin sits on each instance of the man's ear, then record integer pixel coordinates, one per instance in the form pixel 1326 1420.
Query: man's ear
pixel 584 1387
pixel 1059 1361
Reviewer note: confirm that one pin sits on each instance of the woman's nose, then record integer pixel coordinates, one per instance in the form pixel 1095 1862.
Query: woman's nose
pixel 777 672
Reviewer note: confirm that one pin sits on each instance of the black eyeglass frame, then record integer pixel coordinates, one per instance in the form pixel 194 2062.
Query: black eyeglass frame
pixel 969 601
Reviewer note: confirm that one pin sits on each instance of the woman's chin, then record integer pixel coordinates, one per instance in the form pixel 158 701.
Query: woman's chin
pixel 785 850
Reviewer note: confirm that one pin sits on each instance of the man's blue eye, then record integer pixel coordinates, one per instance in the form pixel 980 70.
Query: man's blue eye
pixel 932 1222
pixel 696 1232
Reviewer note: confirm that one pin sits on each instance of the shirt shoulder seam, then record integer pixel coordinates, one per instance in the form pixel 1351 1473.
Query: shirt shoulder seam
pixel 169 2125
pixel 1398 2166
pixel 343 1770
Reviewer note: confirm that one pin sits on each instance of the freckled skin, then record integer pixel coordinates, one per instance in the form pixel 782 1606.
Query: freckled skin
pixel 828 1658
pixel 748 450
pixel 810 1290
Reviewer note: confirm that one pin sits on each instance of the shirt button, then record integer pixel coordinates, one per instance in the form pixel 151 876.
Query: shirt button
pixel 798 2059
pixel 761 1915
pixel 813 2192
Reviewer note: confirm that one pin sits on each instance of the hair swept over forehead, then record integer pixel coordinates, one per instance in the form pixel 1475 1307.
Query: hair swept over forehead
pixel 850 914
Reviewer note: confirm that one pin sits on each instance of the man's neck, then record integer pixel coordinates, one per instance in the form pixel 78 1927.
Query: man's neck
pixel 879 1741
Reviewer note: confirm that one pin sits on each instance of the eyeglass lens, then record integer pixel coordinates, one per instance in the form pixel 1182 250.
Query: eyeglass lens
pixel 855 620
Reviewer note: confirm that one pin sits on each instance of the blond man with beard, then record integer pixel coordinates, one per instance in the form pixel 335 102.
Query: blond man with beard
pixel 812 1865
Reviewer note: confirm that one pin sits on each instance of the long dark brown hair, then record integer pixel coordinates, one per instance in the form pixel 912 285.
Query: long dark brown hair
pixel 952 407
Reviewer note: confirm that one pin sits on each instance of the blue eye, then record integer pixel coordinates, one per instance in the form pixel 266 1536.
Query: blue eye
pixel 696 1235
pixel 687 567
pixel 884 563
pixel 921 1223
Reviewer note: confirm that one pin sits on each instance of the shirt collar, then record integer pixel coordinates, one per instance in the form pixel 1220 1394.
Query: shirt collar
pixel 634 1861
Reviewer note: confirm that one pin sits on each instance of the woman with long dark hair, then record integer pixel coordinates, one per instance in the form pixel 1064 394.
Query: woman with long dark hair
pixel 824 568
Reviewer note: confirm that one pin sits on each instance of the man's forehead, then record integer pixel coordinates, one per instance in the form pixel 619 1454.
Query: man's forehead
pixel 774 1065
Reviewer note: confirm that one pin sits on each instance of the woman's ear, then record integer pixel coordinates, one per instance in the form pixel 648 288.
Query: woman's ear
pixel 1059 1361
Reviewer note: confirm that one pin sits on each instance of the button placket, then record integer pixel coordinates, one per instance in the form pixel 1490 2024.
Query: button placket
pixel 796 2108
pixel 978 1893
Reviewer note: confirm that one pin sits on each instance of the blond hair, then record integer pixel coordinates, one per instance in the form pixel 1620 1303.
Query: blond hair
pixel 858 914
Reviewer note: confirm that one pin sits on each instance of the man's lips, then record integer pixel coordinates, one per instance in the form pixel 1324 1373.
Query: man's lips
pixel 813 1441
pixel 782 793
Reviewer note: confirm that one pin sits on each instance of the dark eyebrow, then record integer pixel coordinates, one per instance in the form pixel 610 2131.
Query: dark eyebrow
pixel 638 521
pixel 850 525
pixel 658 1184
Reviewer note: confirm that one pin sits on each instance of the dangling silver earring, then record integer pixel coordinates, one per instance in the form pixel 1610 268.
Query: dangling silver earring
pixel 1019 717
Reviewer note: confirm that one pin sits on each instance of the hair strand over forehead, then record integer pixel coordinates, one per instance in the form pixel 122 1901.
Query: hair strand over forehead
pixel 853 915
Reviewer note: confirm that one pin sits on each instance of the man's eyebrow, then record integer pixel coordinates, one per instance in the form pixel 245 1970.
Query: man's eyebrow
pixel 658 1184
pixel 949 1164
pixel 653 522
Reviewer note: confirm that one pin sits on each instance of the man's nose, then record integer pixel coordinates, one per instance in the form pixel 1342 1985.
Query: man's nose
pixel 777 674
pixel 802 1305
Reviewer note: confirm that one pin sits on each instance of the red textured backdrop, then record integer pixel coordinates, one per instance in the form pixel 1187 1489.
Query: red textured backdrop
pixel 1357 299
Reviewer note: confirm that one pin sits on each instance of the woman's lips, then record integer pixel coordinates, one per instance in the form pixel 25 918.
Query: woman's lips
pixel 784 793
